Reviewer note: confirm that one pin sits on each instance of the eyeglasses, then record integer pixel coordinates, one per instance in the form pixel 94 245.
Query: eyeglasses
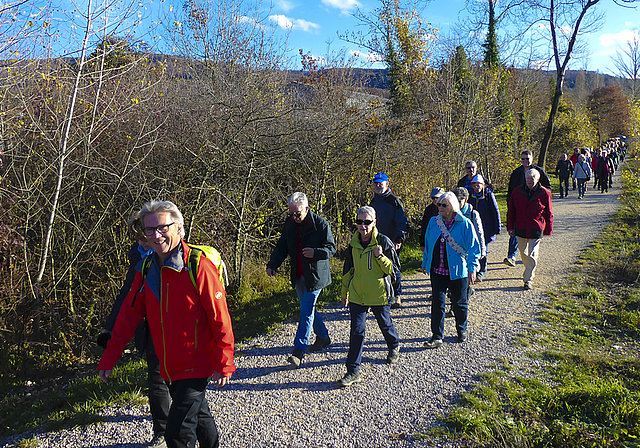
pixel 296 214
pixel 162 228
pixel 443 204
pixel 366 222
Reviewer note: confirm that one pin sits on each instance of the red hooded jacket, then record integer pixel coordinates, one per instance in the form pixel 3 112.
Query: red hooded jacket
pixel 191 330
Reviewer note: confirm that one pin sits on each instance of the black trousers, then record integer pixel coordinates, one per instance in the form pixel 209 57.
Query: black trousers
pixel 189 416
pixel 159 397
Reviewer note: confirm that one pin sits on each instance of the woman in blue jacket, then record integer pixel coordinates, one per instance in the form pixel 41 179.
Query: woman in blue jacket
pixel 451 257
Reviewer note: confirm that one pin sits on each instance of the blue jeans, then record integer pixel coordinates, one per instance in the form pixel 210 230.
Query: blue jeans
pixel 189 415
pixel 513 247
pixel 358 326
pixel 459 302
pixel 582 186
pixel 309 316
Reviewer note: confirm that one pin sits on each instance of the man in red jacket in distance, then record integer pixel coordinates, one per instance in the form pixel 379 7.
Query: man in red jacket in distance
pixel 190 326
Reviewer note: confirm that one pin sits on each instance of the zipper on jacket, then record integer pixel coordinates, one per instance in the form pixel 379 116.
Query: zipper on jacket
pixel 164 343
pixel 195 337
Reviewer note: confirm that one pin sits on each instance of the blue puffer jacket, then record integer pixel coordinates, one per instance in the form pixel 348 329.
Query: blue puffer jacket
pixel 464 234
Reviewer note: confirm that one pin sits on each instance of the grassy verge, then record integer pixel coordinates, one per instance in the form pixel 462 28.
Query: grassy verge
pixel 263 306
pixel 583 389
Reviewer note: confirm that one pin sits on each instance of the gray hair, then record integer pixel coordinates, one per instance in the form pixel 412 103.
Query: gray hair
pixel 471 162
pixel 298 198
pixel 533 172
pixel 153 207
pixel 461 193
pixel 452 199
pixel 369 211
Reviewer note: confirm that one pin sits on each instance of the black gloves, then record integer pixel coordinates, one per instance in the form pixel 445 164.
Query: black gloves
pixel 102 339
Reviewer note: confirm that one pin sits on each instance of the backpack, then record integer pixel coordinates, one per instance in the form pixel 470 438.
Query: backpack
pixel 193 263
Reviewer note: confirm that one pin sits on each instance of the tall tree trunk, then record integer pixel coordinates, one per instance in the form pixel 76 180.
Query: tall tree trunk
pixel 561 69
pixel 64 153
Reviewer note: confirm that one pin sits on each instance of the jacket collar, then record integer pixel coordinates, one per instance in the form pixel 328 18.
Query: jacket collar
pixel 177 259
pixel 355 239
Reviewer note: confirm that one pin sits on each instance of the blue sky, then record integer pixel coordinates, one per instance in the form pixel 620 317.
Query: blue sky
pixel 313 26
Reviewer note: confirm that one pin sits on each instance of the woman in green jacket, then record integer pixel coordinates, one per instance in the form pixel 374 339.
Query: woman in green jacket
pixel 370 263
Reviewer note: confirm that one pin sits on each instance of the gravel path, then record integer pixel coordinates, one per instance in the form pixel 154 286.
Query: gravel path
pixel 270 404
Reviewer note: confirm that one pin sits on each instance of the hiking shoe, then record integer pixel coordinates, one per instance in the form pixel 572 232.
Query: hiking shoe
pixel 470 291
pixel 320 344
pixel 509 262
pixel 434 342
pixel 462 336
pixel 350 378
pixel 295 358
pixel 394 354
pixel 479 277
pixel 449 313
pixel 528 286
pixel 396 304
pixel 157 442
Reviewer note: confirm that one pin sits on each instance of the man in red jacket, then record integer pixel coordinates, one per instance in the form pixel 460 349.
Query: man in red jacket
pixel 190 326
pixel 529 216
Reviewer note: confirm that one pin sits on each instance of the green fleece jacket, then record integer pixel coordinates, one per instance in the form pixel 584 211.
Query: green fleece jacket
pixel 366 280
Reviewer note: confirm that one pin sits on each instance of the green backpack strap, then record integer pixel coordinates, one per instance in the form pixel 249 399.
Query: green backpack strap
pixel 145 266
pixel 193 264
pixel 145 270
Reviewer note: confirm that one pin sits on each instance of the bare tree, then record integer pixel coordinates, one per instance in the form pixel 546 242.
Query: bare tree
pixel 627 61
pixel 567 21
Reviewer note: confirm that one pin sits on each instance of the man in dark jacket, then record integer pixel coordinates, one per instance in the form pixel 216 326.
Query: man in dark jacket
pixel 564 170
pixel 517 179
pixel 307 239
pixel 392 221
pixel 471 169
pixel 529 216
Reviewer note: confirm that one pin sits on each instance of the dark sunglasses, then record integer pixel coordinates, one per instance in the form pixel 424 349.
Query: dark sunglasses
pixel 296 214
pixel 443 204
pixel 366 222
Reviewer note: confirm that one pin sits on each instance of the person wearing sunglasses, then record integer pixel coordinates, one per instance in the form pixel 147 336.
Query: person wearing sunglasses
pixel 307 239
pixel 451 259
pixel 366 285
pixel 517 179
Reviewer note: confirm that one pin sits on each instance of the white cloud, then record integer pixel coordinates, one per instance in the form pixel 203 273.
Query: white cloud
pixel 613 40
pixel 371 58
pixel 629 24
pixel 244 20
pixel 294 24
pixel 566 29
pixel 343 5
pixel 285 5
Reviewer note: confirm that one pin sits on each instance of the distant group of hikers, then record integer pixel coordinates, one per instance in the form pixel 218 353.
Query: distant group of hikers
pixel 174 298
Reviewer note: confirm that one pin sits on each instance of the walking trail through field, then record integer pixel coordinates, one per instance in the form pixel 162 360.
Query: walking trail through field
pixel 270 404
